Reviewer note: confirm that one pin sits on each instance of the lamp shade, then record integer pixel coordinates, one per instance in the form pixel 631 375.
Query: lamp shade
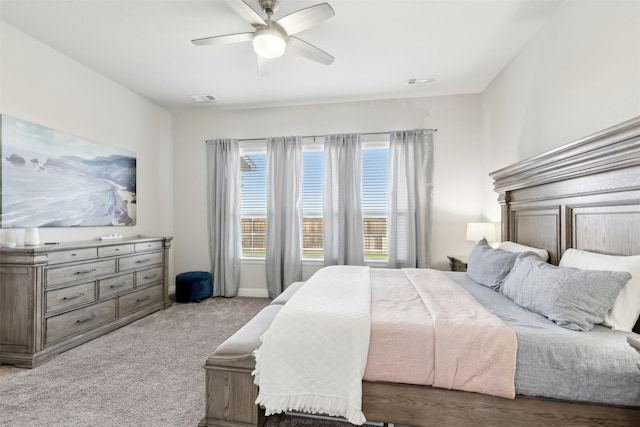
pixel 478 230
pixel 268 43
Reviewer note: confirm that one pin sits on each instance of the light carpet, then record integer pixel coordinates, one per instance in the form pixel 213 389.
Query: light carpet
pixel 148 373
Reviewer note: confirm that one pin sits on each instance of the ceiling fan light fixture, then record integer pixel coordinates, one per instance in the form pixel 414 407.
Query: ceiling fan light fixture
pixel 269 43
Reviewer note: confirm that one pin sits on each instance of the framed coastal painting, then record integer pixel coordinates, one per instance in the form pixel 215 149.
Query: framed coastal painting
pixel 53 179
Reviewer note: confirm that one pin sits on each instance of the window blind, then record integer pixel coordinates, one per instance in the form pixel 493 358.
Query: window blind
pixel 375 177
pixel 253 166
pixel 312 169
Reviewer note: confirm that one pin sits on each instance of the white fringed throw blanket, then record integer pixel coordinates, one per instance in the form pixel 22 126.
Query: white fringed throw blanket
pixel 313 356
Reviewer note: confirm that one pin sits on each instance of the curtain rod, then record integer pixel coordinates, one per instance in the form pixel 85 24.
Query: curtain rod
pixel 322 136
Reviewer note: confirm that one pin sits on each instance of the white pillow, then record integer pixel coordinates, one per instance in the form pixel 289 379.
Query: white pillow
pixel 517 247
pixel 626 308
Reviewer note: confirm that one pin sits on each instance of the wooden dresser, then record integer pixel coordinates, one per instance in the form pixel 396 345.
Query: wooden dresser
pixel 55 297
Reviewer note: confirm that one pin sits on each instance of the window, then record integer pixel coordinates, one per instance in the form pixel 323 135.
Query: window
pixel 312 166
pixel 375 155
pixel 253 206
pixel 375 173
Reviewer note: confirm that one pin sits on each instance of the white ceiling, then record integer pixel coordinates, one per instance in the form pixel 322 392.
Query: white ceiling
pixel 145 45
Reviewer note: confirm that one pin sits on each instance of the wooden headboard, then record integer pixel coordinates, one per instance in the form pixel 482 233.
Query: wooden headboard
pixel 583 195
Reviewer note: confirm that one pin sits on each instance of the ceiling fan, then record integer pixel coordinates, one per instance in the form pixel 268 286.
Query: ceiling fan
pixel 271 38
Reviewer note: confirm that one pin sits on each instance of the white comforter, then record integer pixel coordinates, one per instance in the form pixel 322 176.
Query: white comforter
pixel 333 312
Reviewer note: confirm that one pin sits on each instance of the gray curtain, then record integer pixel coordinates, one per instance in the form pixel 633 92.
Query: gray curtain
pixel 341 199
pixel 223 203
pixel 284 213
pixel 410 195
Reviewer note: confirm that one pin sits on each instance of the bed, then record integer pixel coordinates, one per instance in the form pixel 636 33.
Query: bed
pixel 584 195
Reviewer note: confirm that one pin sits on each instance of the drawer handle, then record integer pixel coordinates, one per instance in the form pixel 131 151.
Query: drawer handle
pixel 78 295
pixel 150 276
pixel 140 261
pixel 74 254
pixel 144 298
pixel 118 285
pixel 86 319
pixel 91 270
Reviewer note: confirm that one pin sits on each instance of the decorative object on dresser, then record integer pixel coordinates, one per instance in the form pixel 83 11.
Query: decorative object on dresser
pixel 55 297
pixel 457 262
pixel 31 237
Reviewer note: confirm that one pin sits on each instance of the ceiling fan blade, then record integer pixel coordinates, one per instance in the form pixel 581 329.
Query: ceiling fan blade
pixel 305 18
pixel 264 65
pixel 309 51
pixel 247 13
pixel 229 38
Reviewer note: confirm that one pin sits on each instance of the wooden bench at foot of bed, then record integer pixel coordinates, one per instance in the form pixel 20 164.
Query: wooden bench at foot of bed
pixel 231 393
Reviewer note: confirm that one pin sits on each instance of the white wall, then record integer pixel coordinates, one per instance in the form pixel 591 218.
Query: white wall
pixel 458 171
pixel 579 74
pixel 43 86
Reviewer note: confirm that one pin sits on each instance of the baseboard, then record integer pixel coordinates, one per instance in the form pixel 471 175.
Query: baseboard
pixel 253 293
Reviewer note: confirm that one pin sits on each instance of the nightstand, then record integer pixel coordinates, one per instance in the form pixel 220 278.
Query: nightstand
pixel 458 263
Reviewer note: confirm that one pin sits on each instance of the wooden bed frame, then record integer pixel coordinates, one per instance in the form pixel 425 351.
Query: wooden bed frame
pixel 583 195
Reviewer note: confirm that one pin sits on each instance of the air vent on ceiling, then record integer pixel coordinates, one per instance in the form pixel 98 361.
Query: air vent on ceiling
pixel 422 81
pixel 203 99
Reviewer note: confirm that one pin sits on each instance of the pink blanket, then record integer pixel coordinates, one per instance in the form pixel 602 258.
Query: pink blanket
pixel 427 330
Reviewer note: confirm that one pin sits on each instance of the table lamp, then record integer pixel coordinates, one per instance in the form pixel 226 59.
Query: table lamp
pixel 477 230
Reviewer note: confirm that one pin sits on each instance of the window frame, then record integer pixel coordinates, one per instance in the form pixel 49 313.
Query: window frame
pixel 371 141
pixel 253 147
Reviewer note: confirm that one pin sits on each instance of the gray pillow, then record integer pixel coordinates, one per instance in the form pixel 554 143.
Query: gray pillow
pixel 489 266
pixel 572 298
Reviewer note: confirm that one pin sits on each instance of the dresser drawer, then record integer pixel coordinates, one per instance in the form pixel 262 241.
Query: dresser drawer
pixel 68 297
pixel 139 299
pixel 114 285
pixel 86 271
pixel 140 261
pixel 148 246
pixel 145 277
pixel 80 320
pixel 59 257
pixel 116 250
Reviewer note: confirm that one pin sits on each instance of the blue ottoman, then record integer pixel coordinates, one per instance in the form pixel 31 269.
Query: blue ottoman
pixel 193 286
